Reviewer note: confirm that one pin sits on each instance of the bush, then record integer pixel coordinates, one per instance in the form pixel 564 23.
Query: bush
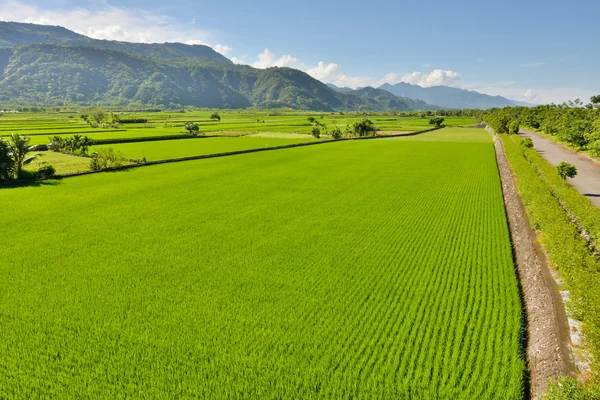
pixel 6 162
pixel 527 143
pixel 436 121
pixel 566 170
pixel 47 171
pixel 316 132
pixel 336 133
pixel 513 127
pixel 363 128
pixel 106 158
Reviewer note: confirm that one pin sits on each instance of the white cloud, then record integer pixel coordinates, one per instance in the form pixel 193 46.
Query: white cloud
pixel 268 59
pixel 330 73
pixel 224 50
pixel 437 77
pixel 530 96
pixel 111 23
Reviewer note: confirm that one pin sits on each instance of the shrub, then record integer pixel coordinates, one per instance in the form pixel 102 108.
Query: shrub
pixel 436 121
pixel 6 162
pixel 106 158
pixel 566 170
pixel 46 171
pixel 336 133
pixel 527 143
pixel 513 127
pixel 363 128
pixel 316 132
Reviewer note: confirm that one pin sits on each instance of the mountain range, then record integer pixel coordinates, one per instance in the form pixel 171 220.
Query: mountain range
pixel 53 66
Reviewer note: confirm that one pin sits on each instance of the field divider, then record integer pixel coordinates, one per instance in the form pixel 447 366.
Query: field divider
pixel 206 156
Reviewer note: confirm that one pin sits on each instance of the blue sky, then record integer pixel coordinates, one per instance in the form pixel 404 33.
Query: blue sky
pixel 538 51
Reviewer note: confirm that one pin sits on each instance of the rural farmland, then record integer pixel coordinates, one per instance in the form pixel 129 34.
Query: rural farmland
pixel 331 290
pixel 328 202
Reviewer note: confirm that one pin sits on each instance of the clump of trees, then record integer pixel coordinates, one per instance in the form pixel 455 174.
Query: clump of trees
pixel 15 153
pixel 97 117
pixel 78 145
pixel 437 121
pixel 192 128
pixel 106 158
pixel 362 128
pixel 575 123
pixel 215 117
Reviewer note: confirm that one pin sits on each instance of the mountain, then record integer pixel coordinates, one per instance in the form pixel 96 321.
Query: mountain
pixel 15 33
pixel 340 89
pixel 447 97
pixel 391 102
pixel 523 103
pixel 57 75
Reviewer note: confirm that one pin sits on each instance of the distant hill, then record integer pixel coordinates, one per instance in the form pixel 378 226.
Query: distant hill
pixel 523 103
pixel 15 33
pixel 340 89
pixel 447 97
pixel 57 75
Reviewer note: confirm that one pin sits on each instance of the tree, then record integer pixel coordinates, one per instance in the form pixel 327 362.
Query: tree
pixel 106 158
pixel 215 117
pixel 6 162
pixel 513 127
pixel 438 121
pixel 98 115
pixel 336 133
pixel 566 170
pixel 363 128
pixel 316 132
pixel 595 99
pixel 311 120
pixel 192 128
pixel 18 149
pixel 527 143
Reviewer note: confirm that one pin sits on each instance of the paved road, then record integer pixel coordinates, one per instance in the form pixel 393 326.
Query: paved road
pixel 587 180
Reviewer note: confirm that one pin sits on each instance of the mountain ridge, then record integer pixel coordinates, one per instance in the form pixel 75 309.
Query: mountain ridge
pixel 447 97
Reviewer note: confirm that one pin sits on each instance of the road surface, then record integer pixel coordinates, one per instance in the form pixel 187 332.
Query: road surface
pixel 587 180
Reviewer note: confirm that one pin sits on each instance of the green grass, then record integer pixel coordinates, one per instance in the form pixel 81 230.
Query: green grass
pixel 62 163
pixel 165 149
pixel 363 269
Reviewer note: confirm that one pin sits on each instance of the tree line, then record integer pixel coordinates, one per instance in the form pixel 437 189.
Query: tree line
pixel 574 123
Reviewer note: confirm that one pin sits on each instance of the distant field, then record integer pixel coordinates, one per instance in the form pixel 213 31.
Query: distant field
pixel 43 126
pixel 165 149
pixel 377 269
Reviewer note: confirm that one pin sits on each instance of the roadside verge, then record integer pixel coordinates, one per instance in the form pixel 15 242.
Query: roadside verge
pixel 548 343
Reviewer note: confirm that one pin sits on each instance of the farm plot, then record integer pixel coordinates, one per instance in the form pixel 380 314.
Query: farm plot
pixel 364 269
pixel 165 149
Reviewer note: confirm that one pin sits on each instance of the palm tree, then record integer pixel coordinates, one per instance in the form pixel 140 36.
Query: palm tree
pixel 18 149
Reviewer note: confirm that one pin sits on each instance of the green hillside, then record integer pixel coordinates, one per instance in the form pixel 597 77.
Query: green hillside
pixel 52 66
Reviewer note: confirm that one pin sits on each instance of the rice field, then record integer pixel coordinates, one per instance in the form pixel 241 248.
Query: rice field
pixel 364 269
pixel 166 149
pixel 233 123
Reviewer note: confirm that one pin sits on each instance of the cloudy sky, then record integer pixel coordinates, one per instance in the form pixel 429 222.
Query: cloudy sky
pixel 536 51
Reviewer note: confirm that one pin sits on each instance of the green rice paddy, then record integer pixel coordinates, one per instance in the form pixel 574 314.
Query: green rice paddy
pixel 376 269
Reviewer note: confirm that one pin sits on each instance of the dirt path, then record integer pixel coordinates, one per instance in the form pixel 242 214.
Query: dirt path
pixel 548 343
pixel 587 180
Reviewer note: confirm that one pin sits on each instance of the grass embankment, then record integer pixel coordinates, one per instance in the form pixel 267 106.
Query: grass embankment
pixel 567 249
pixel 363 269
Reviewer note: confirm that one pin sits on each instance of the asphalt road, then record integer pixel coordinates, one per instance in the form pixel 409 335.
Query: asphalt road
pixel 587 180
